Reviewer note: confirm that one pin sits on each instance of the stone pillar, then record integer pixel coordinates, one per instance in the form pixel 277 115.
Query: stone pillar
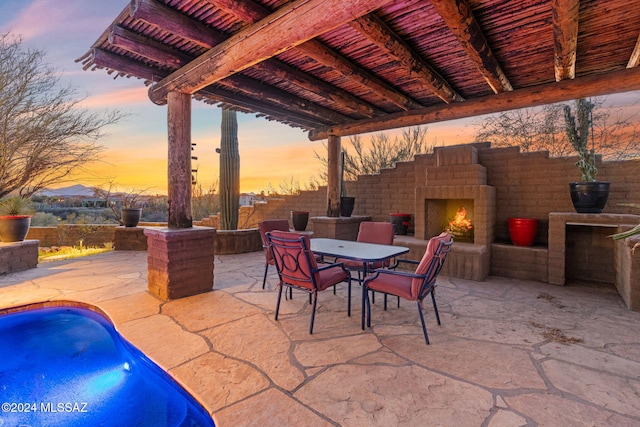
pixel 180 262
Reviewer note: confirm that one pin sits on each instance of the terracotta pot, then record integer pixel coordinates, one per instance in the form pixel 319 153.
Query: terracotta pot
pixel 523 231
pixel 14 228
pixel 299 220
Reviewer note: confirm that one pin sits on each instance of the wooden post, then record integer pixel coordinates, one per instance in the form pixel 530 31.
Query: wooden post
pixel 179 132
pixel 333 176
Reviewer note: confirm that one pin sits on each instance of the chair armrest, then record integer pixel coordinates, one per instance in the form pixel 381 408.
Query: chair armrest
pixel 328 266
pixel 408 261
pixel 393 273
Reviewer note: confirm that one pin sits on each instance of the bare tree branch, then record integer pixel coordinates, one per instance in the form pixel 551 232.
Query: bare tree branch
pixel 44 135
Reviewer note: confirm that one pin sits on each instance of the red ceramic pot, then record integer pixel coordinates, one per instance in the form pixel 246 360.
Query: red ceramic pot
pixel 523 231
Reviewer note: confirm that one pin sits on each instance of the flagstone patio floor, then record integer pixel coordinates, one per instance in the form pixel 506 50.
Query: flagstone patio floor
pixel 509 352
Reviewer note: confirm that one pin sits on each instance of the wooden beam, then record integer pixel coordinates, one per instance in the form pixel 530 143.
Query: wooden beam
pixel 332 94
pixel 293 117
pixel 332 59
pixel 634 59
pixel 251 12
pixel 245 10
pixel 457 15
pixel 174 22
pixel 625 80
pixel 333 176
pixel 179 184
pixel 565 14
pixel 149 49
pixel 124 65
pixel 277 97
pixel 127 66
pixel 374 29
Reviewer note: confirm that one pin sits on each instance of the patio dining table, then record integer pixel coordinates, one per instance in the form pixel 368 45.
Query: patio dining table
pixel 358 251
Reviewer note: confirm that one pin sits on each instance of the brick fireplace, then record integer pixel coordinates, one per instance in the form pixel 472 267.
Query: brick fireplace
pixel 458 180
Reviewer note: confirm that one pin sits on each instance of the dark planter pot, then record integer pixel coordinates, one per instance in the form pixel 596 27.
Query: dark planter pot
pixel 401 221
pixel 523 231
pixel 346 205
pixel 299 220
pixel 14 228
pixel 131 216
pixel 589 197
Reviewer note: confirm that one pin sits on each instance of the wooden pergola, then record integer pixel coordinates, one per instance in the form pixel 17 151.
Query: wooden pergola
pixel 342 67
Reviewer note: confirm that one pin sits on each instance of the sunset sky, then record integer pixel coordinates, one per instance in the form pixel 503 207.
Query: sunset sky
pixel 136 148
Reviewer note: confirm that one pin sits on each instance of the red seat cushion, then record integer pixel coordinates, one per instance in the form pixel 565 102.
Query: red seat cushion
pixel 394 284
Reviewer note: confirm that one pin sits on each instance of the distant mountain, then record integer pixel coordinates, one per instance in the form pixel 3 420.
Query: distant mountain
pixel 74 190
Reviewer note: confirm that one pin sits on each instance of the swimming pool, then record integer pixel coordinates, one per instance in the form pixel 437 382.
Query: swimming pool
pixel 68 366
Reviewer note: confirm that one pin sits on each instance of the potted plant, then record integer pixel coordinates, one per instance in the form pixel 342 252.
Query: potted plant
pixel 299 219
pixel 15 218
pixel 347 203
pixel 588 195
pixel 124 205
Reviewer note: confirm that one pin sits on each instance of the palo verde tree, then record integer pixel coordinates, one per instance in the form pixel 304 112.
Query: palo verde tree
pixel 44 134
pixel 229 171
pixel 615 133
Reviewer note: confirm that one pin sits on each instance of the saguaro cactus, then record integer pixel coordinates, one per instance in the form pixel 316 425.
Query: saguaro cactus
pixel 229 171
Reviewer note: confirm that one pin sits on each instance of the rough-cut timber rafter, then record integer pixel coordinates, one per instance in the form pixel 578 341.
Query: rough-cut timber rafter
pixel 174 22
pixel 596 85
pixel 146 48
pixel 460 20
pixel 379 33
pixel 252 12
pixel 565 33
pixel 291 25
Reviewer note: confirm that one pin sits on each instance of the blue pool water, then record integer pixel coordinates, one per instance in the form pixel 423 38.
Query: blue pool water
pixel 68 366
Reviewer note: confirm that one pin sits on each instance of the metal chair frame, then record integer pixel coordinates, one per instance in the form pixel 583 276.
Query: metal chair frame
pixel 301 271
pixel 427 288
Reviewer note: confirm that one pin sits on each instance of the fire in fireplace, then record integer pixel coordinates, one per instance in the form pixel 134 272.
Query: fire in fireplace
pixel 461 226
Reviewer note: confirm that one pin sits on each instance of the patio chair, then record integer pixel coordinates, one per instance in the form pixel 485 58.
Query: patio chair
pixel 297 268
pixel 264 227
pixel 380 233
pixel 410 286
